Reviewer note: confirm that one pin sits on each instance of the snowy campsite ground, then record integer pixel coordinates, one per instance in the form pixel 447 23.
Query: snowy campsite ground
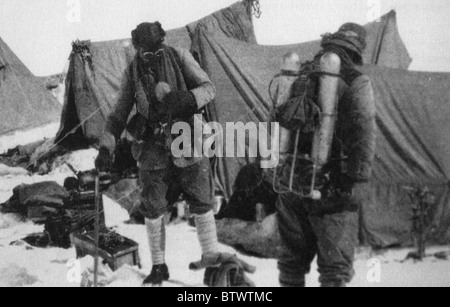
pixel 22 265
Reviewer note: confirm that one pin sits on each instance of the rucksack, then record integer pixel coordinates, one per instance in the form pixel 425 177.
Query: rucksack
pixel 301 111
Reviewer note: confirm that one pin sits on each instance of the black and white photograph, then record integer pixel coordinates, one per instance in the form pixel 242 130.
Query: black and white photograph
pixel 196 144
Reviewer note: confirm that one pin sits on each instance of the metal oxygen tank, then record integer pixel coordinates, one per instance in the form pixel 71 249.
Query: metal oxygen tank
pixel 290 69
pixel 330 65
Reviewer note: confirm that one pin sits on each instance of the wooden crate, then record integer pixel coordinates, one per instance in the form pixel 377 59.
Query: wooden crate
pixel 126 254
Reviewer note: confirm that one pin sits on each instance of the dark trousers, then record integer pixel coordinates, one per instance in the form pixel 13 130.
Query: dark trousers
pixel 333 238
pixel 162 188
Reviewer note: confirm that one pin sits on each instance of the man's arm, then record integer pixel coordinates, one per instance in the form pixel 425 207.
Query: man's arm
pixel 117 120
pixel 201 85
pixel 201 91
pixel 362 135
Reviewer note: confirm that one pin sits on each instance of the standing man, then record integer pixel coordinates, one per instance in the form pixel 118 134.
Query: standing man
pixel 328 228
pixel 166 85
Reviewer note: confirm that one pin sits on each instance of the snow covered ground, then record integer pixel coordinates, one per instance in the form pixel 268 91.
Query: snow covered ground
pixel 25 137
pixel 22 265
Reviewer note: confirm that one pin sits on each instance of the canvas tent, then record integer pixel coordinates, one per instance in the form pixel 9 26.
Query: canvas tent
pixel 412 146
pixel 413 150
pixel 96 68
pixel 24 101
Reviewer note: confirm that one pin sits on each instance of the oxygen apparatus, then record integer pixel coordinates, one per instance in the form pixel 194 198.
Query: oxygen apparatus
pixel 306 173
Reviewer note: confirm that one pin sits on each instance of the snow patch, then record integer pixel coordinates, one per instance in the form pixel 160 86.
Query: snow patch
pixel 9 172
pixel 17 138
pixel 8 221
pixel 115 215
pixel 15 276
pixel 82 160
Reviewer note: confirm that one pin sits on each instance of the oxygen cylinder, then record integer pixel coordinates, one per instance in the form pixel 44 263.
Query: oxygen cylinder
pixel 289 73
pixel 328 101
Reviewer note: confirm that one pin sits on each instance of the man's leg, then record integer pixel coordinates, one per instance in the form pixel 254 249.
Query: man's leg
pixel 337 237
pixel 197 184
pixel 156 231
pixel 298 239
pixel 221 269
pixel 153 207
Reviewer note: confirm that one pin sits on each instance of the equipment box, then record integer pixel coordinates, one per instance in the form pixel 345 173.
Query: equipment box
pixel 113 249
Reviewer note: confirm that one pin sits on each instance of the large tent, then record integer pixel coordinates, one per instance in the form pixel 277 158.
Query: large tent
pixel 24 101
pixel 412 108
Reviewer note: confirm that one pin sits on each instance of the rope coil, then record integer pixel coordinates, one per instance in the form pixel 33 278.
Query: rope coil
pixel 253 8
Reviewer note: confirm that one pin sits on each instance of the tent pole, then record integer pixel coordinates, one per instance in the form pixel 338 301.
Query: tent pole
pixel 97 229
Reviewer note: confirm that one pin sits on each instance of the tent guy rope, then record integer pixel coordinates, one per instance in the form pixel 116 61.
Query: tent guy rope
pixel 66 135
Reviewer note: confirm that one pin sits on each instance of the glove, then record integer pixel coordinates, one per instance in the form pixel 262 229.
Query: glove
pixel 340 198
pixel 104 160
pixel 224 270
pixel 178 105
pixel 345 184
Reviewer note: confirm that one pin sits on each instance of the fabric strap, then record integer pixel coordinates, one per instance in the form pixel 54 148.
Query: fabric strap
pixel 156 231
pixel 169 70
pixel 207 233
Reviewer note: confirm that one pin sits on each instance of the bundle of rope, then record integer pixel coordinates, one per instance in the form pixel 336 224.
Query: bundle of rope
pixel 82 48
pixel 253 8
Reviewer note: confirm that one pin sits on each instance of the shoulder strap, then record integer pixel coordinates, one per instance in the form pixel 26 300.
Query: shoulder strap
pixel 350 74
pixel 176 55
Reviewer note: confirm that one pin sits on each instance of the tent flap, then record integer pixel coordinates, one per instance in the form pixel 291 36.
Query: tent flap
pixel 234 22
pixel 385 46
